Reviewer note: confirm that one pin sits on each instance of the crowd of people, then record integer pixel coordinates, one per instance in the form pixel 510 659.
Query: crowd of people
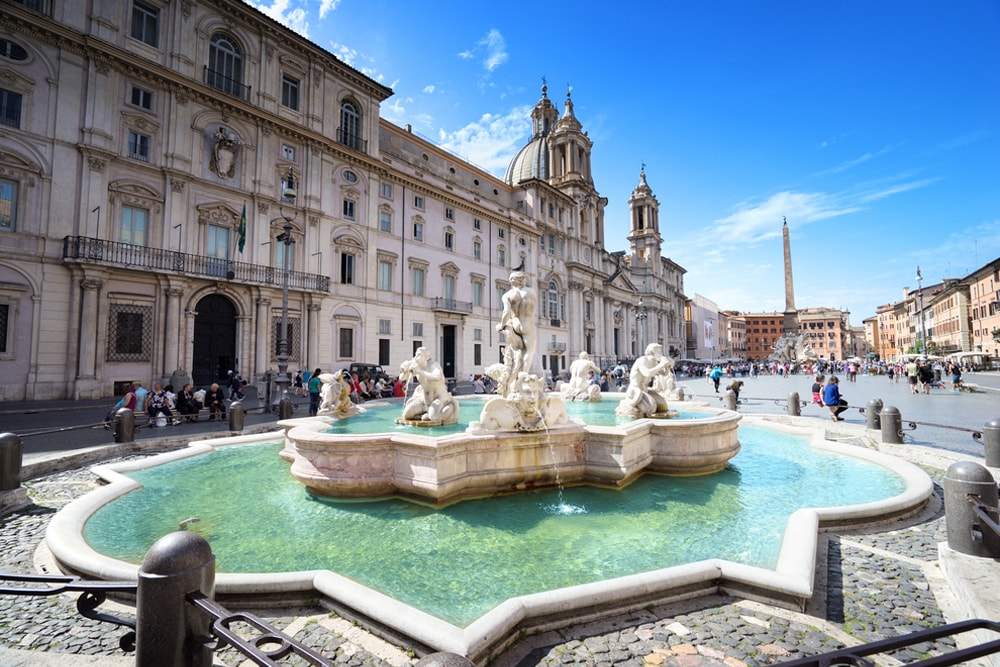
pixel 164 406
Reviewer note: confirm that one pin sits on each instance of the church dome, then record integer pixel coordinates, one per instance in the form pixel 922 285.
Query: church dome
pixel 532 161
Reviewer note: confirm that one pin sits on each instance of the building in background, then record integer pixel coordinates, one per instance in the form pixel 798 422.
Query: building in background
pixel 146 152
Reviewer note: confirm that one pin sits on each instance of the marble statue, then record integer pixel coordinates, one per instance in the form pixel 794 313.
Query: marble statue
pixel 584 377
pixel 430 402
pixel 526 408
pixel 335 395
pixel 518 323
pixel 642 400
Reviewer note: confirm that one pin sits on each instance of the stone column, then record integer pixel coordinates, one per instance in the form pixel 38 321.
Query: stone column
pixel 173 333
pixel 87 359
pixel 312 336
pixel 263 319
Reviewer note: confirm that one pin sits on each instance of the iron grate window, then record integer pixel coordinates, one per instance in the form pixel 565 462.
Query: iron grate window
pixel 294 337
pixel 130 332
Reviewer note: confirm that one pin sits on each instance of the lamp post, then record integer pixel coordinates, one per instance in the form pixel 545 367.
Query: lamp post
pixel 640 320
pixel 284 380
pixel 920 296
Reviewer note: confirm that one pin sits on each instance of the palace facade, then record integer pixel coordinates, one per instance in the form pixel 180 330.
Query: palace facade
pixel 175 176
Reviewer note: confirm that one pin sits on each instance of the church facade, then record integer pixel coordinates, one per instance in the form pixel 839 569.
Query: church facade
pixel 147 157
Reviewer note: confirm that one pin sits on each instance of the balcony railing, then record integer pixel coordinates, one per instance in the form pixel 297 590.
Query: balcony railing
pixel 352 140
pixel 452 306
pixel 227 84
pixel 557 347
pixel 114 253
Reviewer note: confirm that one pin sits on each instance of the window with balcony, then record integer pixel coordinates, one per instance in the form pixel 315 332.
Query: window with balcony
pixel 145 23
pixel 134 225
pixel 290 92
pixel 217 249
pixel 225 66
pixel 10 108
pixel 139 145
pixel 385 275
pixel 350 125
pixel 8 205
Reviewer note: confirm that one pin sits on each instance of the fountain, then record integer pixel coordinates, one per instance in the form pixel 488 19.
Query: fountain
pixel 523 441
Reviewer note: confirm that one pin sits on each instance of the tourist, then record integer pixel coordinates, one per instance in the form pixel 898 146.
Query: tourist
pixel 911 375
pixel 187 404
pixel 478 386
pixel 297 384
pixel 215 399
pixel 157 406
pixel 315 385
pixel 833 399
pixel 714 375
pixel 817 391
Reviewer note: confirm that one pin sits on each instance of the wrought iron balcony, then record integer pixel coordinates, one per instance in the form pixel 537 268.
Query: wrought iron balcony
pixel 113 253
pixel 352 140
pixel 226 84
pixel 556 347
pixel 452 306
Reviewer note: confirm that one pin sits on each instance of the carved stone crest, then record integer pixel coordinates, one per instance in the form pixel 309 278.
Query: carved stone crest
pixel 227 144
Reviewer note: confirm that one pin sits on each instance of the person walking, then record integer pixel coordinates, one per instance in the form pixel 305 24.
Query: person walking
pixel 833 399
pixel 911 375
pixel 315 384
pixel 715 375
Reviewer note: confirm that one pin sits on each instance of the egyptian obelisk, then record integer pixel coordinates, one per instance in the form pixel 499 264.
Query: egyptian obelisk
pixel 791 319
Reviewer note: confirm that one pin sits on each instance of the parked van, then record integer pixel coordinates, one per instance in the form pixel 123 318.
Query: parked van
pixel 365 371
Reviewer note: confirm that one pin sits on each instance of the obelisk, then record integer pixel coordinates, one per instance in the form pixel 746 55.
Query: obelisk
pixel 791 319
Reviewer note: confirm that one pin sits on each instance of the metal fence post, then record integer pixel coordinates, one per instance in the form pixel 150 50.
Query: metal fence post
pixel 965 535
pixel 236 416
pixel 873 419
pixel 285 407
pixel 892 424
pixel 11 451
pixel 124 425
pixel 793 409
pixel 991 443
pixel 167 627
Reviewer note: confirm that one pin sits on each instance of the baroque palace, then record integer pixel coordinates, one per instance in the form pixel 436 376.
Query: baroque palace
pixel 175 175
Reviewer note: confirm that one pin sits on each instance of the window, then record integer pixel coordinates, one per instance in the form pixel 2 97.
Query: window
pixel 130 332
pixel 345 343
pixel 348 209
pixel 385 327
pixel 500 233
pixel 418 231
pixel 217 242
pixel 290 92
pixel 292 337
pixel 418 281
pixel 552 244
pixel 350 176
pixel 347 269
pixel 387 190
pixel 477 294
pixel 477 249
pixel 477 224
pixel 350 125
pixel 418 202
pixel 288 152
pixel 477 334
pixel 449 241
pixel 384 275
pixel 141 98
pixel 138 146
pixel 477 354
pixel 588 311
pixel 145 23
pixel 551 309
pixel 10 108
pixel 135 222
pixel 8 205
pixel 225 65
pixel 12 50
pixel 449 288
pixel 385 221
pixel 449 213
pixel 418 329
pixel 501 257
pixel 4 327
pixel 284 255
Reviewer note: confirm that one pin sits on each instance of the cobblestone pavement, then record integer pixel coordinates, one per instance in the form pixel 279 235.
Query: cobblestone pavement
pixel 875 584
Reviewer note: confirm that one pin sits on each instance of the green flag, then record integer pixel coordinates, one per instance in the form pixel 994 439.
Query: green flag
pixel 242 232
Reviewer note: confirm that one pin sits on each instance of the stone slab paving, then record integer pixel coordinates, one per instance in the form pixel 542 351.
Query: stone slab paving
pixel 871 584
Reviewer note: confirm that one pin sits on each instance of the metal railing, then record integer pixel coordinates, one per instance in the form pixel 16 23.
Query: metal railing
pixel 89 249
pixel 451 305
pixel 352 140
pixel 226 84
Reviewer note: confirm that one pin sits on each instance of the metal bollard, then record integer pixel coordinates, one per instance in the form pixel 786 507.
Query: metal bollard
pixel 965 534
pixel 11 451
pixel 872 418
pixel 991 443
pixel 793 408
pixel 444 659
pixel 730 399
pixel 124 425
pixel 236 416
pixel 169 630
pixel 285 407
pixel 892 426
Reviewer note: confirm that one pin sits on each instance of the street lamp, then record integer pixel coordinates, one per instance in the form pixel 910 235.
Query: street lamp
pixel 640 320
pixel 284 380
pixel 920 296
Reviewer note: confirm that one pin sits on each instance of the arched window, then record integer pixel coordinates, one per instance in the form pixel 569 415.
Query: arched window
pixel 225 66
pixel 552 307
pixel 350 125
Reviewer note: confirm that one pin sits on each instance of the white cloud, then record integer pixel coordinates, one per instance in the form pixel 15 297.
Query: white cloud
pixel 429 89
pixel 327 6
pixel 492 141
pixel 294 19
pixel 756 221
pixel 492 46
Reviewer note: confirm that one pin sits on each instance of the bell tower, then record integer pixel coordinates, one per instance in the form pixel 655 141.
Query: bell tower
pixel 644 222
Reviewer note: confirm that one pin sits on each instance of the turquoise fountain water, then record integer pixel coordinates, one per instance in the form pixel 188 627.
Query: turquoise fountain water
pixel 459 562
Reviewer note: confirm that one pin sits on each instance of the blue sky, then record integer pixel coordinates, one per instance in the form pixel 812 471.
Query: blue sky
pixel 873 127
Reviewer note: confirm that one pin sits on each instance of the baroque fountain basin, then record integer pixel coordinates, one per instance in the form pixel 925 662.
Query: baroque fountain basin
pixel 441 469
